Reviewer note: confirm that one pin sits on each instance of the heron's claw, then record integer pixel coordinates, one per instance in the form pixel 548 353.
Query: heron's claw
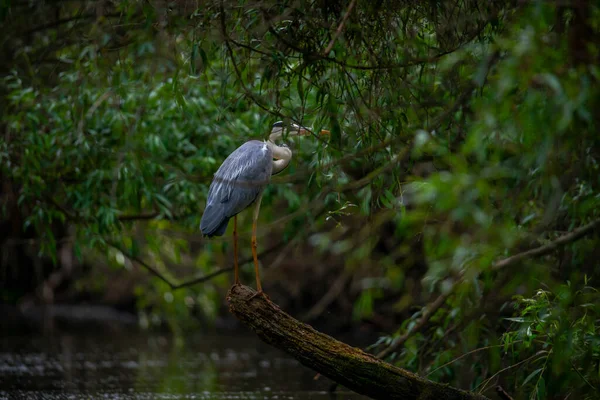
pixel 259 293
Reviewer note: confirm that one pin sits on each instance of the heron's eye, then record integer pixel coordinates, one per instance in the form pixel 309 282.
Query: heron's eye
pixel 278 124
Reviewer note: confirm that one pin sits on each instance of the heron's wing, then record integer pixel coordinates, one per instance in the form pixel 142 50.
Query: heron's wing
pixel 244 174
pixel 237 183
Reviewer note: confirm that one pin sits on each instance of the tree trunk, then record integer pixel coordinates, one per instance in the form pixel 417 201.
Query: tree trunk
pixel 349 366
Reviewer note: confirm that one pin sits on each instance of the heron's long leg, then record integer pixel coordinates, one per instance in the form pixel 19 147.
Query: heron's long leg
pixel 235 252
pixel 254 254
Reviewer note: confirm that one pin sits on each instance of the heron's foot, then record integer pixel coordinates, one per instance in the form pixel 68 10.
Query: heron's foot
pixel 259 293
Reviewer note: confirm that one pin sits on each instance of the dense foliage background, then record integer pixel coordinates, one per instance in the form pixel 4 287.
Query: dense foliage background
pixel 453 212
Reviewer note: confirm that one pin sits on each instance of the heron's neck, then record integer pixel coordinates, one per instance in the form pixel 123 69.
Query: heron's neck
pixel 282 156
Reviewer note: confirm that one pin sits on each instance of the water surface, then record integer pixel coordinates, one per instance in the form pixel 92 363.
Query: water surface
pixel 135 365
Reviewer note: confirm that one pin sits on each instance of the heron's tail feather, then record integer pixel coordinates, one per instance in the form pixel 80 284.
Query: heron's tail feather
pixel 221 229
pixel 213 222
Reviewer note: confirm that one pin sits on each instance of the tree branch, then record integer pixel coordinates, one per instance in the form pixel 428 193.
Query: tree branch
pixel 338 32
pixel 349 366
pixel 548 248
pixel 193 281
pixel 334 291
pixel 440 300
pixel 502 393
pixel 430 310
pixel 57 23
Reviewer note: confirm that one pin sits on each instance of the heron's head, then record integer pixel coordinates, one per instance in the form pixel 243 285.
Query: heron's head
pixel 280 128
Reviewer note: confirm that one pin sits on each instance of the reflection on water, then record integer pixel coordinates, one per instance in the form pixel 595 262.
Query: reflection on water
pixel 138 366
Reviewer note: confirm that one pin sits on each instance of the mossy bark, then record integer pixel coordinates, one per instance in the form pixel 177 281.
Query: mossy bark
pixel 347 365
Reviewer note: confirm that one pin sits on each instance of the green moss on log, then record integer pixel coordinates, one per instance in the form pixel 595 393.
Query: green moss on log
pixel 347 365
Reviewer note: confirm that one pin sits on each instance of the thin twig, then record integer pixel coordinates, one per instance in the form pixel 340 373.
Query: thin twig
pixel 581 375
pixel 57 23
pixel 430 310
pixel 464 355
pixel 338 32
pixel 411 62
pixel 200 279
pixel 360 183
pixel 484 383
pixel 334 291
pixel 93 109
pixel 502 393
pixel 235 66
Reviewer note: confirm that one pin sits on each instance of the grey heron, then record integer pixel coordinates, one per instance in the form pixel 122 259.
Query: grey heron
pixel 240 181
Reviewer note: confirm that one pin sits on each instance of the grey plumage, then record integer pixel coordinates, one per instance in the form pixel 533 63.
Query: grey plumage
pixel 236 185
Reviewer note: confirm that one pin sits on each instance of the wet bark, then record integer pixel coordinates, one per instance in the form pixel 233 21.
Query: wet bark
pixel 347 365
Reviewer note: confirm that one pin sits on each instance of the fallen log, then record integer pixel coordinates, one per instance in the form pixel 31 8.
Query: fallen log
pixel 347 365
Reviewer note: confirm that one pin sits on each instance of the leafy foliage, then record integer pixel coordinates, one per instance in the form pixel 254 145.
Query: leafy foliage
pixel 559 335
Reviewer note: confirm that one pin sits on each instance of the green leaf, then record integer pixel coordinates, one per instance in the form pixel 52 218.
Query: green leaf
pixel 532 375
pixel 516 319
pixel 300 88
pixel 541 389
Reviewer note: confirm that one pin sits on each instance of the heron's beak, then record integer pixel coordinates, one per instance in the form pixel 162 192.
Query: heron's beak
pixel 298 130
pixel 302 131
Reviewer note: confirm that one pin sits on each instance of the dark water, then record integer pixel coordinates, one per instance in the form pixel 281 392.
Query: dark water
pixel 138 366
